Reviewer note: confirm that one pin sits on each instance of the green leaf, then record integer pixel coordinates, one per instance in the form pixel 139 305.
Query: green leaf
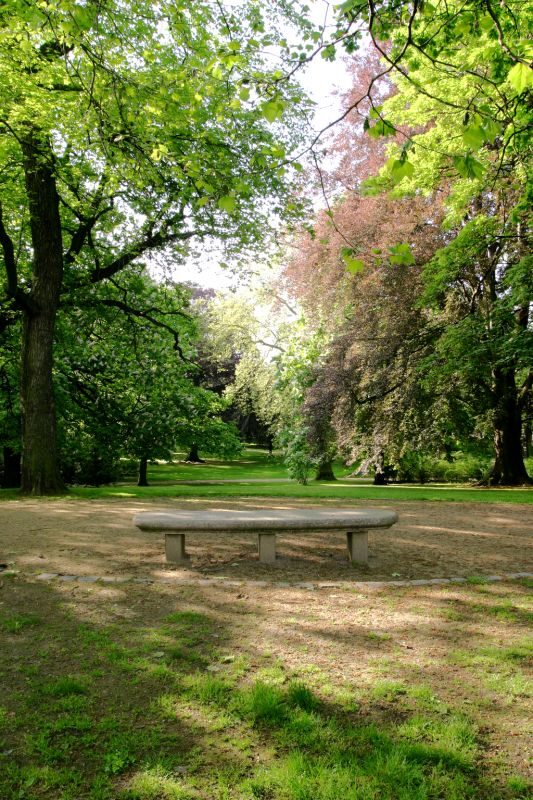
pixel 273 110
pixel 401 254
pixel 227 203
pixel 244 94
pixel 399 169
pixel 158 152
pixel 381 128
pixel 468 167
pixel 492 130
pixel 520 77
pixel 353 265
pixel 474 136
pixel 329 53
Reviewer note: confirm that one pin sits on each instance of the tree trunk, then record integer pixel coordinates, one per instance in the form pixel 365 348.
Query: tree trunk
pixel 509 468
pixel 194 456
pixel 40 467
pixel 143 472
pixel 325 471
pixel 528 437
pixel 380 479
pixel 11 478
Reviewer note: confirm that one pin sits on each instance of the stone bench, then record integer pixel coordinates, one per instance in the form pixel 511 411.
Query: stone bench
pixel 266 524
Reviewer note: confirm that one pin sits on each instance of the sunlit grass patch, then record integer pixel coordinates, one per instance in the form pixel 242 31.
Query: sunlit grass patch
pixel 453 735
pixel 363 765
pixel 188 619
pixel 263 703
pixel 516 653
pixel 272 674
pixel 208 688
pixel 156 783
pixel 65 686
pixel 425 698
pixel 520 788
pixel 499 668
pixel 19 622
pixel 388 690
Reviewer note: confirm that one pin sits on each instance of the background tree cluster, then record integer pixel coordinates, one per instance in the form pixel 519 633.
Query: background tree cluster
pixel 420 271
pixel 417 273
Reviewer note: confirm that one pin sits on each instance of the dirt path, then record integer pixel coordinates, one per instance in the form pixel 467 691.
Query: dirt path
pixel 431 540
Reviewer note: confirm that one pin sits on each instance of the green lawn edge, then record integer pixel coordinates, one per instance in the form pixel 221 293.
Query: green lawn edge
pixel 313 491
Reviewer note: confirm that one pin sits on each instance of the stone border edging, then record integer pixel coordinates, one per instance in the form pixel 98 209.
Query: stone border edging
pixel 114 579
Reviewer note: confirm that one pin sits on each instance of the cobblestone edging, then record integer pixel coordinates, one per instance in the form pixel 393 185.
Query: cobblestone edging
pixel 114 579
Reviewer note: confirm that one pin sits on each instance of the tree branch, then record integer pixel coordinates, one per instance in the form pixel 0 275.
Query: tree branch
pixel 152 241
pixel 21 300
pixel 137 312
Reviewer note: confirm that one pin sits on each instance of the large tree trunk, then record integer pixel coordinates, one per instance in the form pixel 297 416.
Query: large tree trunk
pixel 194 456
pixel 143 472
pixel 11 477
pixel 40 468
pixel 509 468
pixel 380 478
pixel 325 471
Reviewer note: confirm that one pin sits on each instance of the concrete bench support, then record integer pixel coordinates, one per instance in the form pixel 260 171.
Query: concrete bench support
pixel 357 542
pixel 267 547
pixel 266 524
pixel 175 548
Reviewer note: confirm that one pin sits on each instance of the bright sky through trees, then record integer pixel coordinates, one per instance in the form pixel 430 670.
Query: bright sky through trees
pixel 325 82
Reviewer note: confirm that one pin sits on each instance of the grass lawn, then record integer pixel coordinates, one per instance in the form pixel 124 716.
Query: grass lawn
pixel 152 692
pixel 256 465
pixel 161 691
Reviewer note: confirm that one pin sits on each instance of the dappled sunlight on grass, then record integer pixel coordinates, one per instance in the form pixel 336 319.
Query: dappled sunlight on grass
pixel 157 693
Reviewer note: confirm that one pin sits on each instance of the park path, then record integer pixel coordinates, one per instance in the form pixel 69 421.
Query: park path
pixel 431 540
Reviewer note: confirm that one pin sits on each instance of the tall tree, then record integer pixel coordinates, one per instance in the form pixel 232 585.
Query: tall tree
pixel 365 391
pixel 125 130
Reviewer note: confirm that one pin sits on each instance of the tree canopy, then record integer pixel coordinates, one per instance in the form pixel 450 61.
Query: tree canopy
pixel 127 130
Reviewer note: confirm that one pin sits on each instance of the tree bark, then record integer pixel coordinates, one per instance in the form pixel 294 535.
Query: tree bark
pixel 528 436
pixel 509 468
pixel 325 471
pixel 11 477
pixel 143 472
pixel 194 456
pixel 40 467
pixel 380 479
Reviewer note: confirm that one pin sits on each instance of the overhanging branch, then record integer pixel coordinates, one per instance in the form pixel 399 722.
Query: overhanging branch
pixel 20 299
pixel 143 314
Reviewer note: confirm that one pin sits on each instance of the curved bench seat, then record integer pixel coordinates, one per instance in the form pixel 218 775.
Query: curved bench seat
pixel 266 523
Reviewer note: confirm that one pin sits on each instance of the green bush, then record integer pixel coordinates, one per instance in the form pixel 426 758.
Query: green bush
pixel 462 468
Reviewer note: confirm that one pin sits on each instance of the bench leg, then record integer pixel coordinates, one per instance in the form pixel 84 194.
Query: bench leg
pixel 267 547
pixel 175 548
pixel 357 542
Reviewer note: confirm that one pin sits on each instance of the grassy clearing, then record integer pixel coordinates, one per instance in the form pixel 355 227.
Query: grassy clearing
pixel 315 491
pixel 256 464
pixel 143 693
